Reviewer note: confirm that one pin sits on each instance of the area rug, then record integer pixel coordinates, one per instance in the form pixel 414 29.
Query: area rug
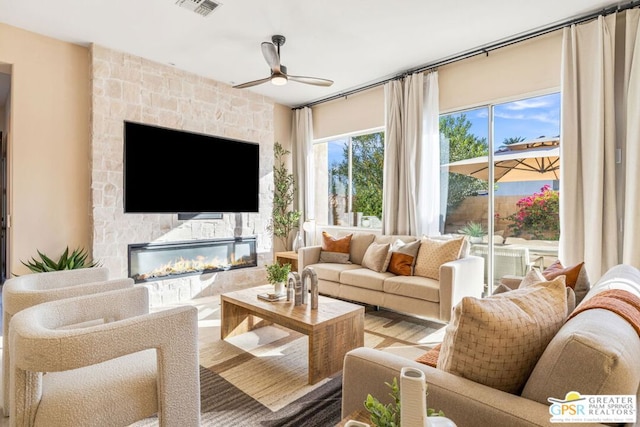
pixel 223 404
pixel 260 378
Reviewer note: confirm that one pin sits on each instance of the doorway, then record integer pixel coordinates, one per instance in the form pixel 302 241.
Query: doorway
pixel 5 131
pixel 3 210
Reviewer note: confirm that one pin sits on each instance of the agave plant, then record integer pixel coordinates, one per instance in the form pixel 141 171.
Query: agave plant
pixel 77 259
pixel 473 229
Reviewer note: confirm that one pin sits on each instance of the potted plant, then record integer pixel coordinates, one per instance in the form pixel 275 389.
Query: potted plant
pixel 77 259
pixel 277 274
pixel 284 219
pixel 474 230
pixel 389 415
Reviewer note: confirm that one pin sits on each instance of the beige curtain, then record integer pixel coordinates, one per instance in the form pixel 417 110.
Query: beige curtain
pixel 598 96
pixel 392 155
pixel 302 152
pixel 631 224
pixel 411 169
pixel 410 151
pixel 429 181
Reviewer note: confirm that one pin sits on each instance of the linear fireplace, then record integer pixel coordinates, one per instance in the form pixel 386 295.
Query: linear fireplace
pixel 167 260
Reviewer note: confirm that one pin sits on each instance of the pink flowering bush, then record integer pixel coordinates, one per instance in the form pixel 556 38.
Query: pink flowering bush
pixel 537 215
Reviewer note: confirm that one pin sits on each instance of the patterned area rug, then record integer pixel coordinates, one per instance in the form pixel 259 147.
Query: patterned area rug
pixel 223 404
pixel 260 378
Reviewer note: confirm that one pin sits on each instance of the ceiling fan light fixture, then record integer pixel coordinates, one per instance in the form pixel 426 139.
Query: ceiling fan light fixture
pixel 279 75
pixel 279 80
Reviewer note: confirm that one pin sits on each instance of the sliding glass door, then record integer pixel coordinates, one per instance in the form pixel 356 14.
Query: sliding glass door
pixel 513 222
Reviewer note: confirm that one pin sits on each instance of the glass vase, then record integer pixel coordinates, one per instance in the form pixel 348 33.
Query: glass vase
pixel 298 242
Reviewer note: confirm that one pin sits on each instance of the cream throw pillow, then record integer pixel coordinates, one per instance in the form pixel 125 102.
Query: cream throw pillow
pixel 377 257
pixel 534 277
pixel 433 253
pixel 496 341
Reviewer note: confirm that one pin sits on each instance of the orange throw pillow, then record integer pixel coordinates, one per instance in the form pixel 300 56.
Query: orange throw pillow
pixel 336 244
pixel 557 269
pixel 335 250
pixel 403 257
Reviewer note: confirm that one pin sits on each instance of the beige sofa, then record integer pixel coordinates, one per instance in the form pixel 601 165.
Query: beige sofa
pixel 594 353
pixel 414 295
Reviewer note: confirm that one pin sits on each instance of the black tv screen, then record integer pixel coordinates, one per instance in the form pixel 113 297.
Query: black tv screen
pixel 173 171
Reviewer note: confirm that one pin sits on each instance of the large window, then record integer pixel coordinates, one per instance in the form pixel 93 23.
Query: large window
pixel 524 138
pixel 349 171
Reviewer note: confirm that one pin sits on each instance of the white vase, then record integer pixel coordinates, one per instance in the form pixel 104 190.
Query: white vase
pixel 278 288
pixel 413 401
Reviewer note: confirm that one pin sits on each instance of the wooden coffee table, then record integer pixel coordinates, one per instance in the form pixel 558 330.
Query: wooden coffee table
pixel 333 329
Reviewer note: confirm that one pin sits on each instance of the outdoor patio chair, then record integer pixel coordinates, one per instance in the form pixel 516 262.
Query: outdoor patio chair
pixel 514 261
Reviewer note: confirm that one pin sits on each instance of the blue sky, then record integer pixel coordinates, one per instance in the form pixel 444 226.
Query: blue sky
pixel 529 118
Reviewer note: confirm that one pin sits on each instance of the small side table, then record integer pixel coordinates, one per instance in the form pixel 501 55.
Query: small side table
pixel 289 257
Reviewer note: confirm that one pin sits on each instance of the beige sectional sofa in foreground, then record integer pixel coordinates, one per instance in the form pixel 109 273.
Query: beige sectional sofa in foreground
pixel 596 352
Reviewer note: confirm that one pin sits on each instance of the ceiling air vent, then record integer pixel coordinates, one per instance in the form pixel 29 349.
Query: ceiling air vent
pixel 201 7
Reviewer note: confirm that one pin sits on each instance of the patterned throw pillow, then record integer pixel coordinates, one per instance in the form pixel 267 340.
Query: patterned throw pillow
pixel 335 249
pixel 376 257
pixel 433 253
pixel 576 277
pixel 496 341
pixel 403 257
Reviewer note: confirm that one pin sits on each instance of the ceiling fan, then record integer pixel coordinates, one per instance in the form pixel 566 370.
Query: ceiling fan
pixel 279 76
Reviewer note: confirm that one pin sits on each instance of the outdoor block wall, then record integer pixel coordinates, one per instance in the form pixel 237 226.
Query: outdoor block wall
pixel 474 208
pixel 125 87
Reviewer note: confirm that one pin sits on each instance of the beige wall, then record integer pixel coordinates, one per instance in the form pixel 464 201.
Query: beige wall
pixel 49 147
pixel 526 68
pixel 282 116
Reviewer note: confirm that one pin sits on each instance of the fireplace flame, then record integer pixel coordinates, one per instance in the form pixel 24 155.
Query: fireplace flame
pixel 186 266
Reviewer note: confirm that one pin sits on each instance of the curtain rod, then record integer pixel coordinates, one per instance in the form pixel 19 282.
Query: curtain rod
pixel 481 50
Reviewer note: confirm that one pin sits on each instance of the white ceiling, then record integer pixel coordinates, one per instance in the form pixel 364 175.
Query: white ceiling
pixel 353 42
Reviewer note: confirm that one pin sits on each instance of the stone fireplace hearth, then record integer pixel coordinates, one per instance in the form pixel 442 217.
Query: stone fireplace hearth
pixel 129 88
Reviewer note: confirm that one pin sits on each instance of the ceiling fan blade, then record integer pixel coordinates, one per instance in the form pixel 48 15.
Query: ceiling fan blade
pixel 252 83
pixel 310 80
pixel 271 56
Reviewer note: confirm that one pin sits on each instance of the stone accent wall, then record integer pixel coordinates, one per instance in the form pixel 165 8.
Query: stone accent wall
pixel 129 88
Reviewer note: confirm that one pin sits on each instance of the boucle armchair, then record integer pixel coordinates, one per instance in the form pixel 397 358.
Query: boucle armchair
pixel 28 290
pixel 103 359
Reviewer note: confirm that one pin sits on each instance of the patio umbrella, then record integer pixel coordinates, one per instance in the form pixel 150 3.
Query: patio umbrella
pixel 535 159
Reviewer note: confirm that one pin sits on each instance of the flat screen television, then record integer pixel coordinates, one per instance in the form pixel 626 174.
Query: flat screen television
pixel 174 171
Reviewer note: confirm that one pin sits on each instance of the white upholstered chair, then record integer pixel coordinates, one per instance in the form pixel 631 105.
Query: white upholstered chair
pixel 28 290
pixel 103 359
